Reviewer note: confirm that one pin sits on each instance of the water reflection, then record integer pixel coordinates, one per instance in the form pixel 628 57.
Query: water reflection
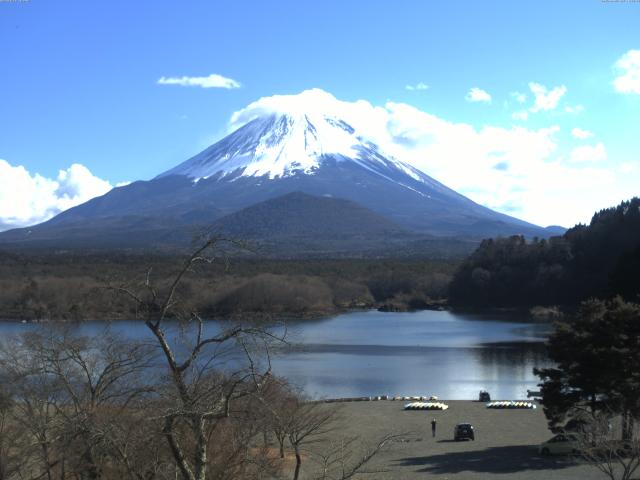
pixel 423 353
pixel 453 373
pixel 374 353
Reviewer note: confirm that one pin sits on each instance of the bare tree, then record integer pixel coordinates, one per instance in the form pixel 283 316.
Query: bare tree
pixel 200 393
pixel 136 445
pixel 11 440
pixel 277 404
pixel 99 379
pixel 345 457
pixel 600 446
pixel 68 393
pixel 308 423
pixel 34 398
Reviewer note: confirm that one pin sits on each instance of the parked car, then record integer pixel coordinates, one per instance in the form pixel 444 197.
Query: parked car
pixel 484 396
pixel 463 431
pixel 561 444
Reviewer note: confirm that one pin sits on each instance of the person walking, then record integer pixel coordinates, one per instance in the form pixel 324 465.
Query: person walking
pixel 433 427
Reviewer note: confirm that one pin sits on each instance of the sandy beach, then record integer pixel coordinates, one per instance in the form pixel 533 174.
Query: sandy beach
pixel 505 446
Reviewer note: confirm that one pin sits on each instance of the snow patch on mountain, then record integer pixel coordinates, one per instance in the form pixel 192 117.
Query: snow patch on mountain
pixel 288 135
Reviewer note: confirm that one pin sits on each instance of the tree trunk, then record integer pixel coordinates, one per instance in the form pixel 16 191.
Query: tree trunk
pixel 92 471
pixel 45 456
pixel 298 463
pixel 178 455
pixel 627 425
pixel 201 448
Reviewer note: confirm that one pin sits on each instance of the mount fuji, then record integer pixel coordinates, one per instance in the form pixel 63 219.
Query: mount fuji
pixel 325 162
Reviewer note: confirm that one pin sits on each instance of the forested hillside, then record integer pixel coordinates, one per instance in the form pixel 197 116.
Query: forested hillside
pixel 73 286
pixel 596 260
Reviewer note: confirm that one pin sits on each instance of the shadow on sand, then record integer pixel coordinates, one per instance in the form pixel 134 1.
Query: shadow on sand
pixel 491 460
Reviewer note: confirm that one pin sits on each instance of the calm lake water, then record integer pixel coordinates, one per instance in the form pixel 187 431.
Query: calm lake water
pixel 449 355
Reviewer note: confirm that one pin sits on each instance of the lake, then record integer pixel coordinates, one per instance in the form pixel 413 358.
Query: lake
pixel 370 353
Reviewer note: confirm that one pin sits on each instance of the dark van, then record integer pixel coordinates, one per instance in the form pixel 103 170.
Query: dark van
pixel 463 431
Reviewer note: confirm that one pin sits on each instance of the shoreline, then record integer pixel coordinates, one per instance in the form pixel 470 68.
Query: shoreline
pixel 416 398
pixel 505 314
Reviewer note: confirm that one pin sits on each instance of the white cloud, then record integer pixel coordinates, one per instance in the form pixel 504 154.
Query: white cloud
pixel 417 86
pixel 478 95
pixel 516 170
pixel 629 167
pixel 628 69
pixel 521 115
pixel 519 97
pixel 545 99
pixel 212 81
pixel 581 134
pixel 26 199
pixel 577 109
pixel 588 153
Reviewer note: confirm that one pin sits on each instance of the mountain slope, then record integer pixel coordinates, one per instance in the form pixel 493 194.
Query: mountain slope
pixel 298 224
pixel 274 154
pixel 324 155
pixel 301 215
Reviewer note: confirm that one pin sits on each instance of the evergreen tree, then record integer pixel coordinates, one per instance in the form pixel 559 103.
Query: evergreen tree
pixel 598 260
pixel 598 364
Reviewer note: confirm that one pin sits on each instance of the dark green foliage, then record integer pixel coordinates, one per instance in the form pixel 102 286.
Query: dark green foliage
pixel 70 286
pixel 598 362
pixel 278 294
pixel 599 260
pixel 513 272
pixel 299 215
pixel 625 276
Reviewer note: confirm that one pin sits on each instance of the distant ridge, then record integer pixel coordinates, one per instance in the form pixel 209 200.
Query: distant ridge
pixel 298 214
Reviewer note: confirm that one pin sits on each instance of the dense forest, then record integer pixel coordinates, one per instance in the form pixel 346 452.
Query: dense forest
pixel 601 259
pixel 75 286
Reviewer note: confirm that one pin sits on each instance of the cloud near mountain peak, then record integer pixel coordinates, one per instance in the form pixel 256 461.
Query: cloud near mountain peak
pixel 26 199
pixel 463 157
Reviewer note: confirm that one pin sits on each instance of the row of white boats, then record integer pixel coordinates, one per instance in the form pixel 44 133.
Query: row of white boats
pixel 426 406
pixel 511 404
pixel 508 404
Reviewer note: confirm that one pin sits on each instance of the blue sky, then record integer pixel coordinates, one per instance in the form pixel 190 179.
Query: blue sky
pixel 79 86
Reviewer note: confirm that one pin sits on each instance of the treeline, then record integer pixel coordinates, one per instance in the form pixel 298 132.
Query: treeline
pixel 77 287
pixel 601 260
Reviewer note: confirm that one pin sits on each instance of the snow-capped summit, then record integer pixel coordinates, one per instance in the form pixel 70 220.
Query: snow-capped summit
pixel 294 135
pixel 275 146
